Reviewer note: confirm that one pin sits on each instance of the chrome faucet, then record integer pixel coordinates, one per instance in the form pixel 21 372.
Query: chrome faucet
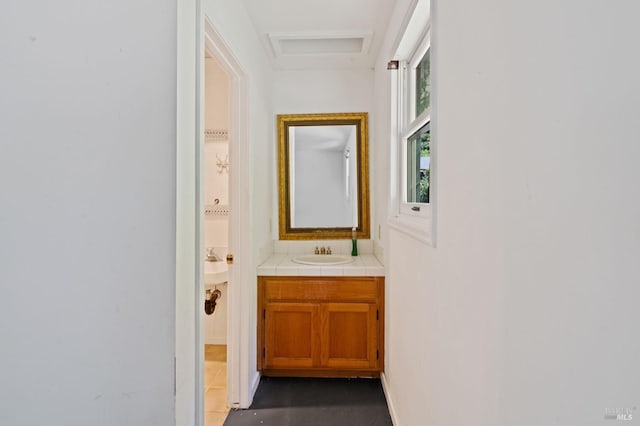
pixel 212 256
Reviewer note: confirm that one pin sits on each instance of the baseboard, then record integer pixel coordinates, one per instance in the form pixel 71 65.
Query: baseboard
pixel 254 387
pixel 390 404
pixel 291 372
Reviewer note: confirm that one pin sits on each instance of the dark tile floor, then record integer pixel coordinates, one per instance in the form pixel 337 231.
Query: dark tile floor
pixel 281 401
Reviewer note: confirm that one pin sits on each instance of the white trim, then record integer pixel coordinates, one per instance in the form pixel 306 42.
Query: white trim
pixel 395 88
pixel 188 374
pixel 420 51
pixel 420 229
pixel 277 38
pixel 421 48
pixel 406 207
pixel 410 124
pixel 414 24
pixel 412 46
pixel 390 404
pixel 406 21
pixel 433 165
pixel 417 124
pixel 423 210
pixel 199 213
pixel 254 384
pixel 240 389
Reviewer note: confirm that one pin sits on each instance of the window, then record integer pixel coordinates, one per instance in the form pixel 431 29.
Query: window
pixel 418 158
pixel 423 83
pixel 412 198
pixel 415 132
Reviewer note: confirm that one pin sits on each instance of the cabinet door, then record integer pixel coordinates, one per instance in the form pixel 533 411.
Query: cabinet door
pixel 349 336
pixel 292 338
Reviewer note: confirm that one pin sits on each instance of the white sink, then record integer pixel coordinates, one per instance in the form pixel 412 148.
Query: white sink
pixel 215 272
pixel 323 259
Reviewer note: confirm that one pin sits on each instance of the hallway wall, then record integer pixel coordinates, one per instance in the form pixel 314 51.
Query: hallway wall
pixel 526 311
pixel 87 177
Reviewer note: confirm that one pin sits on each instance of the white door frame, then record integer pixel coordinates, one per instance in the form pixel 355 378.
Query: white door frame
pixel 188 381
pixel 189 351
pixel 239 238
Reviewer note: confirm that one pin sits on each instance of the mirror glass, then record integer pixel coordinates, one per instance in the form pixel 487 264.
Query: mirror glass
pixel 323 175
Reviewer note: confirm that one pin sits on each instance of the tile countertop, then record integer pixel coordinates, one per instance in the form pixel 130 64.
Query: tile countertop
pixel 364 265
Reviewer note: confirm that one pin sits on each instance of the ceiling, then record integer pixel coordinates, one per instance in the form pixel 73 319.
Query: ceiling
pixel 321 34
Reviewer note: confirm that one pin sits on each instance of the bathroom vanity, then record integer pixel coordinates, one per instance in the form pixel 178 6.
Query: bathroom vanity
pixel 311 323
pixel 322 314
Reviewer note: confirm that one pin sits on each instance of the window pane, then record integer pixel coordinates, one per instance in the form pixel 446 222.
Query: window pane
pixel 423 83
pixel 418 162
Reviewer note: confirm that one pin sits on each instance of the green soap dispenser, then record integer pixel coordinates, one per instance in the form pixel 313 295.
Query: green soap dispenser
pixel 354 242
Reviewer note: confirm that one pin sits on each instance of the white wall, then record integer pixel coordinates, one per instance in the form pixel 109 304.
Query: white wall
pixel 318 91
pixel 571 230
pixel 216 93
pixel 216 187
pixel 322 91
pixel 188 132
pixel 87 177
pixel 526 311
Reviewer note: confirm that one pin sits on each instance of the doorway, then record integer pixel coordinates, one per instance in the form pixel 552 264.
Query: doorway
pixel 215 235
pixel 190 247
pixel 228 164
pixel 190 204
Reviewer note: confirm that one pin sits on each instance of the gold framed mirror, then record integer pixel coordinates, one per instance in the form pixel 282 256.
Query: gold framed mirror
pixel 323 176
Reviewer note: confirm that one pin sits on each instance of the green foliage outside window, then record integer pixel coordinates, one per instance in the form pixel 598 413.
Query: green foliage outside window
pixel 419 144
pixel 418 165
pixel 425 152
pixel 423 83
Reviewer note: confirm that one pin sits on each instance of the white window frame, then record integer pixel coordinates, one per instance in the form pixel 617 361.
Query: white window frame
pixel 414 219
pixel 411 125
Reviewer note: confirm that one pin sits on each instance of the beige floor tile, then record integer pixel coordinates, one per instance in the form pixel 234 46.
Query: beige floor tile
pixel 215 381
pixel 215 400
pixel 212 370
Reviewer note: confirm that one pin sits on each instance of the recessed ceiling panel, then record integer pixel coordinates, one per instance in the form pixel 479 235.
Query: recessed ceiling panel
pixel 305 34
pixel 321 44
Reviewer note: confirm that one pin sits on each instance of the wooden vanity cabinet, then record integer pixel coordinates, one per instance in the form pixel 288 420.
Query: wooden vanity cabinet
pixel 320 326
